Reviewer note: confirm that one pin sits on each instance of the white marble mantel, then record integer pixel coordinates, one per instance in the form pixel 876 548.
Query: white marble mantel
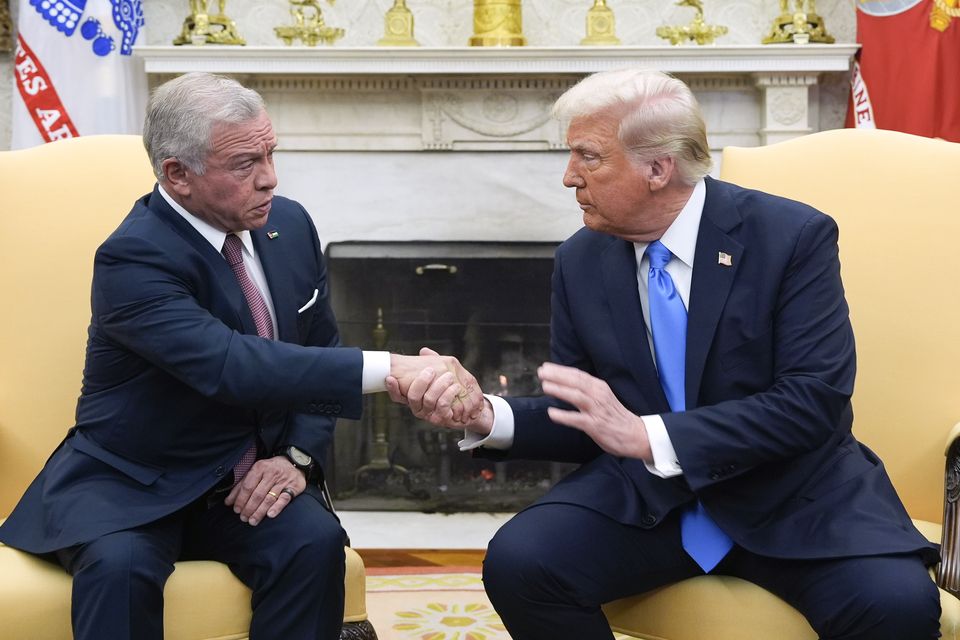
pixel 497 60
pixel 468 98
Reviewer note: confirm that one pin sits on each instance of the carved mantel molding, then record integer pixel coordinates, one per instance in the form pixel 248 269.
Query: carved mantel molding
pixel 466 98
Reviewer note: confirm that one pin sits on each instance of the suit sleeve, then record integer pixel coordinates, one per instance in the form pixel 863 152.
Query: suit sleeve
pixel 813 371
pixel 149 304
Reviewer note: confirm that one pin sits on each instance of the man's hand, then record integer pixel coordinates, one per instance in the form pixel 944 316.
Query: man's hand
pixel 601 416
pixel 434 399
pixel 267 488
pixel 456 388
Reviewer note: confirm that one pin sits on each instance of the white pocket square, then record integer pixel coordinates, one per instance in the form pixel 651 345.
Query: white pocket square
pixel 312 301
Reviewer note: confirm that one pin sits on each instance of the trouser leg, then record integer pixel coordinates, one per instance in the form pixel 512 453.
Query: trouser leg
pixel 548 570
pixel 866 598
pixel 294 564
pixel 118 582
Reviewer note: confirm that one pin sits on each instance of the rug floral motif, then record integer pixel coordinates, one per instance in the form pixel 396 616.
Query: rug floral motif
pixel 451 605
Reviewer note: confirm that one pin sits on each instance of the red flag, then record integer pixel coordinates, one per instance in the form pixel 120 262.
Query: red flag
pixel 907 76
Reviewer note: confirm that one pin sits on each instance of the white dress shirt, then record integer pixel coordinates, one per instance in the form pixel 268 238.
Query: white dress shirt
pixel 376 364
pixel 681 239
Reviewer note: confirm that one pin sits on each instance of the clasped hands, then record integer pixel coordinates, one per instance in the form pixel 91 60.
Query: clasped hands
pixel 453 399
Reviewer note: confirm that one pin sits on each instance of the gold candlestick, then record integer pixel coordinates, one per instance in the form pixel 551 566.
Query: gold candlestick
pixel 698 30
pixel 201 27
pixel 497 23
pixel 308 25
pixel 398 27
pixel 601 26
pixel 798 26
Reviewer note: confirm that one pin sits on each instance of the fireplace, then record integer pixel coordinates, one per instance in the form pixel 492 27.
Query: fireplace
pixel 486 303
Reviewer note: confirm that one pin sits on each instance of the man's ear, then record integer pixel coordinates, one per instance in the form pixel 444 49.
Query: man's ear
pixel 175 177
pixel 660 172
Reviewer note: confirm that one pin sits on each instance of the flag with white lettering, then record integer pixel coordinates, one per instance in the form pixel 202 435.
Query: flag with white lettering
pixel 907 74
pixel 73 70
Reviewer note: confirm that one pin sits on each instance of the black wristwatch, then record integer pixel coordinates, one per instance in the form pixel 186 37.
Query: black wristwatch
pixel 300 459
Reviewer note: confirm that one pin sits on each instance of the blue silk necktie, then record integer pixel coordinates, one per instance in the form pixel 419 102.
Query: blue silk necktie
pixel 706 543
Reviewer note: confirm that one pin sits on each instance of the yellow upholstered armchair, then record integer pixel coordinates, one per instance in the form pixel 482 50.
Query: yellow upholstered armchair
pixel 58 202
pixel 896 205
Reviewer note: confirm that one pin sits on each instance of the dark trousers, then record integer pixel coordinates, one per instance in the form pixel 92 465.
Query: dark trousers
pixel 549 569
pixel 294 564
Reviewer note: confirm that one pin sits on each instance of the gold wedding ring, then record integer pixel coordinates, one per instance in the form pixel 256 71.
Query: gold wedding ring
pixel 273 494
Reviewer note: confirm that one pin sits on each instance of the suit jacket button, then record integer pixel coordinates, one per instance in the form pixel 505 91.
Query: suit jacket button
pixel 714 475
pixel 219 471
pixel 649 520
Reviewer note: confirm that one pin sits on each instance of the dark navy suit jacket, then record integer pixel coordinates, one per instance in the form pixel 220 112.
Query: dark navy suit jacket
pixel 177 384
pixel 766 444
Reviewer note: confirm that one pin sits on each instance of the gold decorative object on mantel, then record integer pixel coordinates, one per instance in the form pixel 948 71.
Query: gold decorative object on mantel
pixel 6 27
pixel 697 31
pixel 308 25
pixel 497 23
pixel 398 27
pixel 200 27
pixel 943 12
pixel 798 26
pixel 601 27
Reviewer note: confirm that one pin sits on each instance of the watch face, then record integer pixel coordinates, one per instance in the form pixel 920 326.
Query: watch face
pixel 300 458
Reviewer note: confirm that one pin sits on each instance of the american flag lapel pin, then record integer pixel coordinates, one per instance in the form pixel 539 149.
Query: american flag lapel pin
pixel 725 259
pixel 273 235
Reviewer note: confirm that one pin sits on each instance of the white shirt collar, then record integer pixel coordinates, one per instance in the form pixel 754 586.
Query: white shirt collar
pixel 213 235
pixel 681 236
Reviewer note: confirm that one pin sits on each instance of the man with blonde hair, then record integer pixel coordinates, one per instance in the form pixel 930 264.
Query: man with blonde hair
pixel 703 364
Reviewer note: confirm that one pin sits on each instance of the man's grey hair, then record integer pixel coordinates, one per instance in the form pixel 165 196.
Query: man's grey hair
pixel 182 113
pixel 661 116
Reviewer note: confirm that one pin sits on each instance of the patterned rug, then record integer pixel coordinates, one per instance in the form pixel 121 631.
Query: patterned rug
pixel 431 603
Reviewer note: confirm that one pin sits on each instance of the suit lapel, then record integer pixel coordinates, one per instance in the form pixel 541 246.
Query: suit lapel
pixel 224 274
pixel 619 269
pixel 712 280
pixel 274 261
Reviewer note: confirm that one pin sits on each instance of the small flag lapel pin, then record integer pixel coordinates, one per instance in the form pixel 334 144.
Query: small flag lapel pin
pixel 725 259
pixel 273 235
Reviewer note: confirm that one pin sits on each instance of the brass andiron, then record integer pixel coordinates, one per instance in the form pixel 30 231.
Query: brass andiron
pixel 398 27
pixel 200 27
pixel 798 26
pixel 6 28
pixel 601 26
pixel 308 25
pixel 379 452
pixel 697 31
pixel 497 23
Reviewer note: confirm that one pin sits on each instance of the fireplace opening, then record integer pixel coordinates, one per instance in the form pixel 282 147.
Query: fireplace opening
pixel 488 304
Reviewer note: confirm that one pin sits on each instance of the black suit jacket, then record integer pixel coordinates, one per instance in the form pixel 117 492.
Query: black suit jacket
pixel 177 384
pixel 766 443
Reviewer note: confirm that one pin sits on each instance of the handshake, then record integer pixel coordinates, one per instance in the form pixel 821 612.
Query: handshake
pixel 439 390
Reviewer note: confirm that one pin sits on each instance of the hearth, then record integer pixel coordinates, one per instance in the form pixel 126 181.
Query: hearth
pixel 486 303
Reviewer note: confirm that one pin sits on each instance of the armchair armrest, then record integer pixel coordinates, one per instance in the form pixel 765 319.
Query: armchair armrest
pixel 948 571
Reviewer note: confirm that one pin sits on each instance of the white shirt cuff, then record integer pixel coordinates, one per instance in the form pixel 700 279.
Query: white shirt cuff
pixel 376 367
pixel 500 436
pixel 665 463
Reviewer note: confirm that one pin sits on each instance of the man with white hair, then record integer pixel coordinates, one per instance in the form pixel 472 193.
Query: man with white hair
pixel 212 381
pixel 703 364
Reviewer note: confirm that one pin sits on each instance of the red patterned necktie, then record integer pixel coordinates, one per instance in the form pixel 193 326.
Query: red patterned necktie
pixel 233 251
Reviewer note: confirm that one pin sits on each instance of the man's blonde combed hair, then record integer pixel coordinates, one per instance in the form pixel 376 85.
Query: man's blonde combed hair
pixel 661 116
